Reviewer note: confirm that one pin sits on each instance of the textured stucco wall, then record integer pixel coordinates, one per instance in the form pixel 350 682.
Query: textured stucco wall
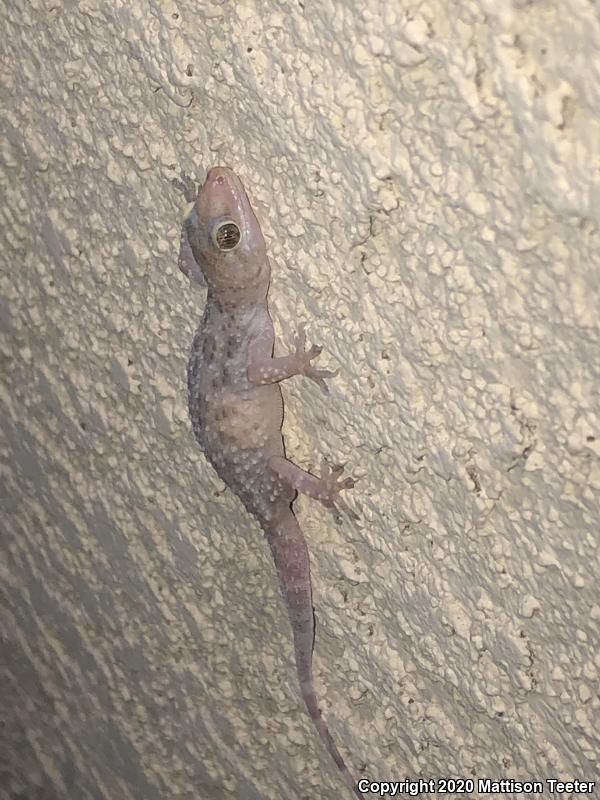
pixel 427 175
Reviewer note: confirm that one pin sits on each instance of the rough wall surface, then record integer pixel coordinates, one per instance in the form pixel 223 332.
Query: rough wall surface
pixel 427 176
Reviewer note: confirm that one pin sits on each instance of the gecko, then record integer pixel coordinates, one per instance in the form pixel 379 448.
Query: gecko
pixel 236 406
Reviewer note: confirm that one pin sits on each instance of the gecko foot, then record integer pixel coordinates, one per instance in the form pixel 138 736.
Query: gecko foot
pixel 186 185
pixel 330 489
pixel 319 376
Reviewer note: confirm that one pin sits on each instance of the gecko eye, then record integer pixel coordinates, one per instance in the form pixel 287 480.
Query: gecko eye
pixel 225 234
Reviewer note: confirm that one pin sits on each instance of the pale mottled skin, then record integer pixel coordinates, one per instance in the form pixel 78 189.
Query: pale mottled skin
pixel 236 405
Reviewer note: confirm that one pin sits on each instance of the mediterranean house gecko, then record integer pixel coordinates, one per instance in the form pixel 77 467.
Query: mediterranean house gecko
pixel 235 401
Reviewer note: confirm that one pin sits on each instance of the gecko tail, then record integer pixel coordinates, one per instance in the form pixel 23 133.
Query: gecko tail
pixel 309 696
pixel 293 568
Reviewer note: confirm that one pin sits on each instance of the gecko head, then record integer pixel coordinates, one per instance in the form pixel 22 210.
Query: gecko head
pixel 225 236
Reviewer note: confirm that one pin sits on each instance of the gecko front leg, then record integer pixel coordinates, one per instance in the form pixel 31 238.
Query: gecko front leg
pixel 187 261
pixel 263 371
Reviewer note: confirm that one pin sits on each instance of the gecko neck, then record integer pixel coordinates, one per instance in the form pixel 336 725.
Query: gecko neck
pixel 238 300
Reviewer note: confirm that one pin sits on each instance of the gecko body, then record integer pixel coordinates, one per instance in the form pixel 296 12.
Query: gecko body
pixel 235 401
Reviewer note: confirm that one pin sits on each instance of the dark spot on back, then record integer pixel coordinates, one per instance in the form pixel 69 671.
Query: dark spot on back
pixel 231 346
pixel 208 347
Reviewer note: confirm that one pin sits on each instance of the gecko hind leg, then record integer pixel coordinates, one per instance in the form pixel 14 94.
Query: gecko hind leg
pixel 326 488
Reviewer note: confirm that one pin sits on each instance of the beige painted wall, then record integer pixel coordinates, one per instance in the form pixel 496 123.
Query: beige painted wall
pixel 427 176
